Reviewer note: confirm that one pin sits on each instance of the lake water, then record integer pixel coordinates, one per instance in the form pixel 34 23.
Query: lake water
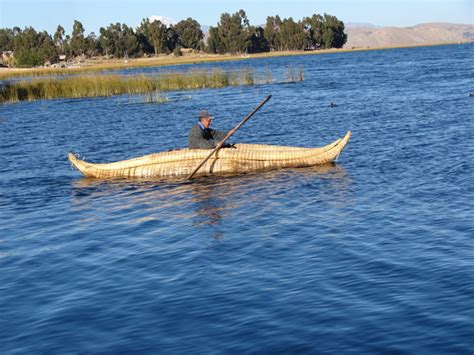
pixel 374 254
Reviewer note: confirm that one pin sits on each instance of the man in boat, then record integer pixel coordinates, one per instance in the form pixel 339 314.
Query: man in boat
pixel 202 136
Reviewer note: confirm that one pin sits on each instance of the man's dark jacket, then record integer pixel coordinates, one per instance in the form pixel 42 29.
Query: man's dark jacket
pixel 206 138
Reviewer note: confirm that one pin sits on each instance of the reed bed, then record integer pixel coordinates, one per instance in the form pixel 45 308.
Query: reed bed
pixel 82 86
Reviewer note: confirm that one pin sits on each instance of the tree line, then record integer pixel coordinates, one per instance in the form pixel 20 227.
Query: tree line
pixel 232 34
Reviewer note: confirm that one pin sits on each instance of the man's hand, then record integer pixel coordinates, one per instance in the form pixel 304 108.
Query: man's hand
pixel 228 145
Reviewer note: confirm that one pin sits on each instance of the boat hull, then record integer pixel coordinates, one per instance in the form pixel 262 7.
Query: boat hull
pixel 242 159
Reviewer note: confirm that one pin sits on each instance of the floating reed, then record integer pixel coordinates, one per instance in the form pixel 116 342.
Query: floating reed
pixel 248 77
pixel 300 73
pixel 267 76
pixel 155 98
pixel 81 86
pixel 290 75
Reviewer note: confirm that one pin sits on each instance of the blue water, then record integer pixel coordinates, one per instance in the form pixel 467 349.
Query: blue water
pixel 371 255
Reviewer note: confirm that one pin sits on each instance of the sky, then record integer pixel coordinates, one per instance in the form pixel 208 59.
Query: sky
pixel 93 14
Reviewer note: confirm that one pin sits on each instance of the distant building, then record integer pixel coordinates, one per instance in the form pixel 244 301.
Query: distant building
pixel 62 57
pixel 6 58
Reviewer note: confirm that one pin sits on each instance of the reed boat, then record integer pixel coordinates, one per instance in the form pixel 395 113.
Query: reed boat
pixel 241 159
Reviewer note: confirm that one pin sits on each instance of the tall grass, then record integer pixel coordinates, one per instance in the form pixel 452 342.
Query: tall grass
pixel 291 77
pixel 109 85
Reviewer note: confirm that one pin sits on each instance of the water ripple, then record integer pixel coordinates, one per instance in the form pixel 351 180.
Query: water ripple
pixel 373 254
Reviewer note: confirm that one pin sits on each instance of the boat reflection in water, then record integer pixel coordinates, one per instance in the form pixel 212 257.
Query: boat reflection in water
pixel 208 201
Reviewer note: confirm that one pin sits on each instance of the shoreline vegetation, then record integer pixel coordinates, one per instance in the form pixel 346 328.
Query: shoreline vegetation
pixel 96 85
pixel 233 34
pixel 93 81
pixel 97 65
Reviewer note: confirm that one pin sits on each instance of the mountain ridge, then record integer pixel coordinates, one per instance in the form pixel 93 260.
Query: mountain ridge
pixel 371 36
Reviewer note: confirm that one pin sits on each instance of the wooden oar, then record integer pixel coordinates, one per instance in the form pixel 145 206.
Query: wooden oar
pixel 229 134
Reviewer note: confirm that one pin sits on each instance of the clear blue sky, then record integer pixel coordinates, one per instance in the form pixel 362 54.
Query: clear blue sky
pixel 47 14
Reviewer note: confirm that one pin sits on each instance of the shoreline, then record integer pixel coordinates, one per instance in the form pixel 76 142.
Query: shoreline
pixel 97 65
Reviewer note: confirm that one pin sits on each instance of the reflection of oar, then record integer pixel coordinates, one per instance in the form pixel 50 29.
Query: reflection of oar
pixel 231 132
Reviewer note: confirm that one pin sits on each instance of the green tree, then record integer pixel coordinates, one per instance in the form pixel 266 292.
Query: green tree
pixel 234 31
pixel 118 40
pixel 333 32
pixel 111 40
pixel 272 32
pixel 67 46
pixel 92 45
pixel 33 48
pixel 144 45
pixel 328 38
pixel 16 31
pixel 190 33
pixel 24 47
pixel 171 39
pixel 114 32
pixel 77 39
pixel 214 41
pixel 58 39
pixel 155 34
pixel 46 49
pixel 315 24
pixel 257 41
pixel 6 39
pixel 293 35
pixel 129 42
pixel 106 41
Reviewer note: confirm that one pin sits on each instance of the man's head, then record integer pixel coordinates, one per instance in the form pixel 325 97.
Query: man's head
pixel 205 118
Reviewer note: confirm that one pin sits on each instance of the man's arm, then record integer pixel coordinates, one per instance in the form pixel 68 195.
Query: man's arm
pixel 218 135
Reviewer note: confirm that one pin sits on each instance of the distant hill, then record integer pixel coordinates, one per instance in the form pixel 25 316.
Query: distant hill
pixel 370 36
pixel 360 24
